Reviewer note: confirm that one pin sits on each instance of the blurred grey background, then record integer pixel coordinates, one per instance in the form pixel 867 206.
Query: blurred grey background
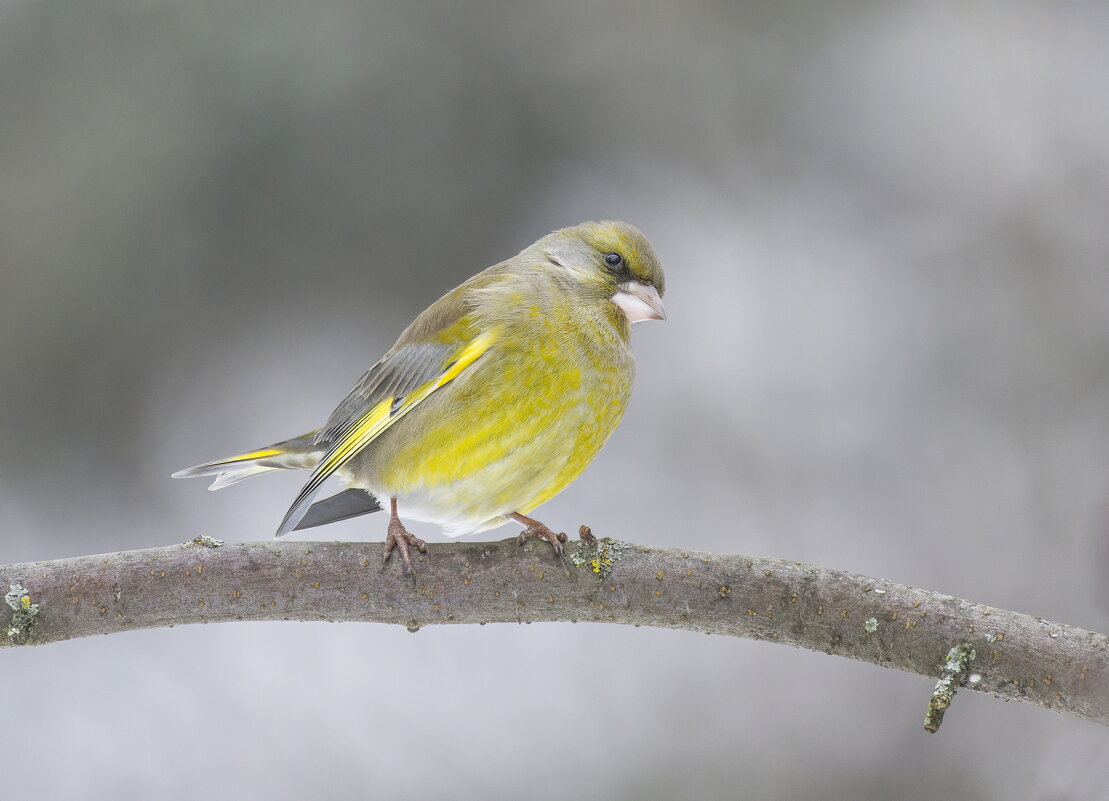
pixel 885 232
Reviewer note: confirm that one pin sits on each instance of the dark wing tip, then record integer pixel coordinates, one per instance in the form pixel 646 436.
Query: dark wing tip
pixel 343 506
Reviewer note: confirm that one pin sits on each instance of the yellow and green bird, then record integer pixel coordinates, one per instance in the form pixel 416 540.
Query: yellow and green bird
pixel 491 402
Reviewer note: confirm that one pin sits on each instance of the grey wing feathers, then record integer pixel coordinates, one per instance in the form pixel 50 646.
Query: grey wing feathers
pixel 347 504
pixel 394 376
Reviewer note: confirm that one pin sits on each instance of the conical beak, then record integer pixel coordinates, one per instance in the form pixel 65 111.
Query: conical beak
pixel 639 302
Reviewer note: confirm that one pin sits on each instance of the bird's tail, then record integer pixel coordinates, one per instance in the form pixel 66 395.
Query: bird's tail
pixel 301 452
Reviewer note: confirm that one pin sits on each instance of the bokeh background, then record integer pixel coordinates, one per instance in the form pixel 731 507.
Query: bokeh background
pixel 885 226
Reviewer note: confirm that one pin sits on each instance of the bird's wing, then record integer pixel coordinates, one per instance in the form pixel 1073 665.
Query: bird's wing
pixel 418 355
pixel 396 385
pixel 395 376
pixel 349 503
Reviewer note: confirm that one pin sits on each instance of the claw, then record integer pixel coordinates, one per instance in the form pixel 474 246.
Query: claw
pixel 536 530
pixel 400 539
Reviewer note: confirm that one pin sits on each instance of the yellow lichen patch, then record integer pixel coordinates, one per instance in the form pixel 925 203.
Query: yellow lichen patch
pixel 236 594
pixel 659 575
pixel 599 555
pixel 724 591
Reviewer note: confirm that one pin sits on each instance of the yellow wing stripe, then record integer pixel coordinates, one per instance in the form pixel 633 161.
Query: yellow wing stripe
pixel 376 420
pixel 245 457
pixel 379 418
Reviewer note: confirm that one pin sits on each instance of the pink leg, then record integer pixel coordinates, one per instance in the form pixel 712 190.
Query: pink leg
pixel 400 539
pixel 533 529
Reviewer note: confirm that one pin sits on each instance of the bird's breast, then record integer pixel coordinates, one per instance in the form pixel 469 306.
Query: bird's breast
pixel 511 432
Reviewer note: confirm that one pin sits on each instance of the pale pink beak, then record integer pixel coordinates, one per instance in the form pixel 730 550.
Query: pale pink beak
pixel 639 302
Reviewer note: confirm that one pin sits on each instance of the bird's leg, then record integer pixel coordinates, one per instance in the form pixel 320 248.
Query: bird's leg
pixel 533 529
pixel 400 539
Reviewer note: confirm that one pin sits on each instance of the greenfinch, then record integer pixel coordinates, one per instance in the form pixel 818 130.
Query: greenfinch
pixel 491 402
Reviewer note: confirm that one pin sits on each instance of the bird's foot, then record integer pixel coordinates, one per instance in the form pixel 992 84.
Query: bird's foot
pixel 400 539
pixel 534 530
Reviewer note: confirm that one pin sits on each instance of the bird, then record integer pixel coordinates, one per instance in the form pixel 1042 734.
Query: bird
pixel 491 402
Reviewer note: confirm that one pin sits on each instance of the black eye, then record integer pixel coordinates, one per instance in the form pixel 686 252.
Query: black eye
pixel 613 259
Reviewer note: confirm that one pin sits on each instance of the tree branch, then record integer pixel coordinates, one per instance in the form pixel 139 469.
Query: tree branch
pixel 1010 655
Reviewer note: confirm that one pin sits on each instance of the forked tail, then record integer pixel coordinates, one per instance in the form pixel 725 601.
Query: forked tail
pixel 302 453
pixel 298 453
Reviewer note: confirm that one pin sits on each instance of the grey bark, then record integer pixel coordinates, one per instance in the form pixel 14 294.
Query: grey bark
pixel 1012 656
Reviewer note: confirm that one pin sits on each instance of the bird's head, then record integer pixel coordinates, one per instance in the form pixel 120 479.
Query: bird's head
pixel 611 261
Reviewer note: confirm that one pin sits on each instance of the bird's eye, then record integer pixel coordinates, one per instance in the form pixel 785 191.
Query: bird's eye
pixel 614 260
